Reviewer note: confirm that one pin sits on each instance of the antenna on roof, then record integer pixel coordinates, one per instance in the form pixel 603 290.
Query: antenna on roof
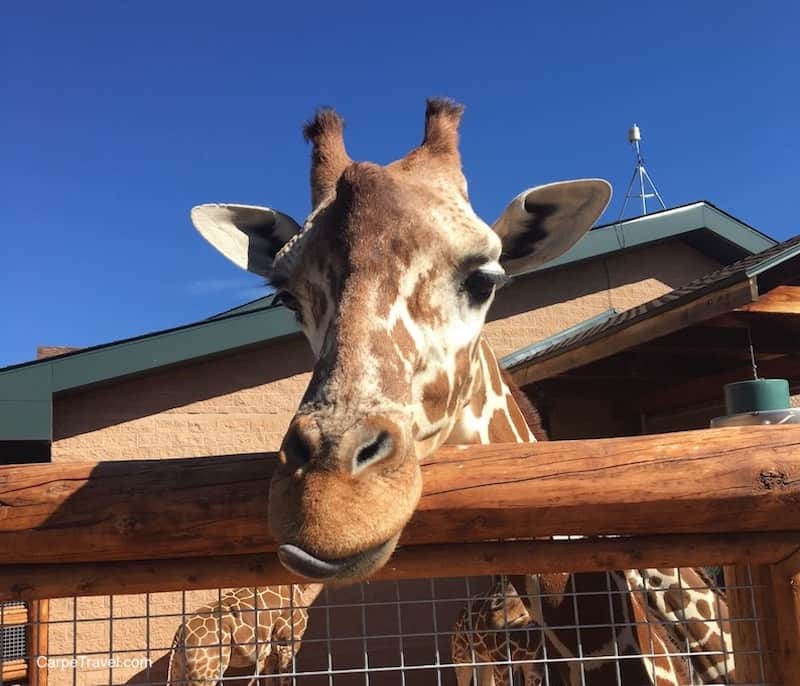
pixel 634 138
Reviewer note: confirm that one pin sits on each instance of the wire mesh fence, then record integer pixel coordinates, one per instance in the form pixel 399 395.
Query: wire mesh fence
pixel 609 628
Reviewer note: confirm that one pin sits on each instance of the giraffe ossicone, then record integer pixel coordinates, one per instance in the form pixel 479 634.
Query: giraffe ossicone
pixel 391 277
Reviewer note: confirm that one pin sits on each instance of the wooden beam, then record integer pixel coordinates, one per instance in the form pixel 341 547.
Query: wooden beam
pixel 786 587
pixel 637 365
pixel 700 309
pixel 741 479
pixel 17 614
pixel 710 339
pixel 702 390
pixel 780 300
pixel 28 582
pixel 755 638
pixel 13 670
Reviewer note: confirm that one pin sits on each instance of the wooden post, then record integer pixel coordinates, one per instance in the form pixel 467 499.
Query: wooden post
pixel 39 614
pixel 786 591
pixel 755 639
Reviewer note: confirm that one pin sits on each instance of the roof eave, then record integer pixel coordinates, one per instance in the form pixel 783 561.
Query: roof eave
pixel 660 226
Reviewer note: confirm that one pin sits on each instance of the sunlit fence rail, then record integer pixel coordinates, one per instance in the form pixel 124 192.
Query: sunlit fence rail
pixel 122 550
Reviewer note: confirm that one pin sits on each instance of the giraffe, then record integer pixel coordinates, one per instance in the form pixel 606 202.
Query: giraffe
pixel 249 627
pixel 390 278
pixel 495 630
pixel 696 619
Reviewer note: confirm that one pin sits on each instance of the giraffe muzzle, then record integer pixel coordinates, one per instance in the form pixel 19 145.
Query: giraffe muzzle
pixel 351 568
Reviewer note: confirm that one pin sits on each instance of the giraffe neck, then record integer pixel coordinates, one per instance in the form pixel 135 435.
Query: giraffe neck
pixel 305 594
pixel 493 413
pixel 500 412
pixel 696 615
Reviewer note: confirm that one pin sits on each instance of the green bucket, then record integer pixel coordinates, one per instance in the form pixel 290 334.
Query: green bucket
pixel 757 395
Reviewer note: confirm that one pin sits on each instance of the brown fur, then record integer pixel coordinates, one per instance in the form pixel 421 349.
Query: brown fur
pixel 404 342
pixel 419 303
pixel 368 222
pixel 530 413
pixel 261 627
pixel 328 155
pixel 500 429
pixel 439 148
pixel 442 117
pixel 435 396
pixel 494 375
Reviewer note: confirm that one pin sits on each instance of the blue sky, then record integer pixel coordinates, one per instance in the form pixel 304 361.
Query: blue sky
pixel 117 117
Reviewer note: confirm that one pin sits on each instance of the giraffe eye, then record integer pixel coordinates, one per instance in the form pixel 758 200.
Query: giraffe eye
pixel 290 303
pixel 480 285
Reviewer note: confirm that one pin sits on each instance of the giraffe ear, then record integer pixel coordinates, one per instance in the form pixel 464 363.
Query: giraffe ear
pixel 249 236
pixel 542 223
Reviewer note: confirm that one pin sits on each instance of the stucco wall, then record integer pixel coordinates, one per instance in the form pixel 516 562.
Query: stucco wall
pixel 239 403
pixel 243 403
pixel 538 306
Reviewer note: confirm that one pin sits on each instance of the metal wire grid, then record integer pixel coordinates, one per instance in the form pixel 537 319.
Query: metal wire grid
pixel 13 642
pixel 13 645
pixel 377 634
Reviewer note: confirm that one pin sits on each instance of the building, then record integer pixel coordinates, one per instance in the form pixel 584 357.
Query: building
pixel 231 383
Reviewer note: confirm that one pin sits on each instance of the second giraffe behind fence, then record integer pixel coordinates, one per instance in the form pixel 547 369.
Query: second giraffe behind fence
pixel 249 627
pixel 493 636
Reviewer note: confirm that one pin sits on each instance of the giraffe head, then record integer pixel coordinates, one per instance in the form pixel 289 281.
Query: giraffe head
pixel 503 607
pixel 390 277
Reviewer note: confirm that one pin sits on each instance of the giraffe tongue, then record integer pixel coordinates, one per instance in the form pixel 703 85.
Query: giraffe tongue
pixel 303 563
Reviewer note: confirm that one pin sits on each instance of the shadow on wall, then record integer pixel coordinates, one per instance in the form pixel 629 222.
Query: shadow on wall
pixel 400 630
pixel 157 674
pixel 96 408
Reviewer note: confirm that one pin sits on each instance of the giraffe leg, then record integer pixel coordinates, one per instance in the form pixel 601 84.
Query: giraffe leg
pixel 486 676
pixel 284 664
pixel 531 675
pixel 254 680
pixel 463 675
pixel 260 664
pixel 194 664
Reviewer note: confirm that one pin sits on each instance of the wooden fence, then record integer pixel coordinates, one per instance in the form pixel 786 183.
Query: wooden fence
pixel 726 496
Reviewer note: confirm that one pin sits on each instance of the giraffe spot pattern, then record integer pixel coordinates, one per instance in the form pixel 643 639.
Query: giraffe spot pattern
pixel 435 395
pixel 703 608
pixel 677 598
pixel 494 374
pixel 500 429
pixel 516 417
pixel 420 306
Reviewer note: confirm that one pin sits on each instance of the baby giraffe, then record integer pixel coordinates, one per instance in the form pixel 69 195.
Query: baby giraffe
pixel 492 634
pixel 249 627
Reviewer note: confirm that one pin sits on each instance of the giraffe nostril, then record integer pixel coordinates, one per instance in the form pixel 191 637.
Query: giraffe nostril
pixel 381 446
pixel 296 451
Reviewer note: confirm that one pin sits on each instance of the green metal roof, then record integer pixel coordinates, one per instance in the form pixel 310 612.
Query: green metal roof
pixel 708 228
pixel 26 390
pixel 523 354
pixel 781 258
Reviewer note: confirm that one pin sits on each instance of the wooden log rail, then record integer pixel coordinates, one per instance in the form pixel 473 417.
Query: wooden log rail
pixel 724 496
